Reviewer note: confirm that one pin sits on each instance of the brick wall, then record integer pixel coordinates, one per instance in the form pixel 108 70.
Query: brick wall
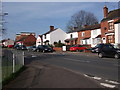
pixel 86 35
pixel 105 28
pixel 57 48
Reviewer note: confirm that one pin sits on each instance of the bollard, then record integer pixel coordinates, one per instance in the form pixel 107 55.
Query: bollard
pixel 23 58
pixel 13 63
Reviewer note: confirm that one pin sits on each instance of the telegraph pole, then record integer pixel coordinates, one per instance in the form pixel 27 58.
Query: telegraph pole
pixel 2 29
pixel 2 20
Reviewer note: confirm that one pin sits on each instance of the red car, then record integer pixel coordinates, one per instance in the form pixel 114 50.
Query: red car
pixel 77 48
pixel 10 46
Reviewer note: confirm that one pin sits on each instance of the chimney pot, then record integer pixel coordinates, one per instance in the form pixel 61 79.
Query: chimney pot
pixel 51 28
pixel 105 9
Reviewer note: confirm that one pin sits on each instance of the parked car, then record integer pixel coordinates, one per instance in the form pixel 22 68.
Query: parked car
pixel 107 50
pixel 20 47
pixel 44 48
pixel 10 46
pixel 77 48
pixel 31 48
pixel 95 49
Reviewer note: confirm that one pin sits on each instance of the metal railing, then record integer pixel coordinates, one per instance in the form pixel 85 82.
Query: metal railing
pixel 12 61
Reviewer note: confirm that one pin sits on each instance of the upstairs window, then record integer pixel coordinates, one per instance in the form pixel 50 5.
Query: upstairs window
pixel 71 36
pixel 83 33
pixel 45 36
pixel 111 25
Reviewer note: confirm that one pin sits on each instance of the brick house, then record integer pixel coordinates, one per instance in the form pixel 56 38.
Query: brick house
pixel 84 35
pixel 26 38
pixel 107 25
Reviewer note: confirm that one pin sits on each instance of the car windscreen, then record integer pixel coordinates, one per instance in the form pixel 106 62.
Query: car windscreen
pixel 109 46
pixel 46 46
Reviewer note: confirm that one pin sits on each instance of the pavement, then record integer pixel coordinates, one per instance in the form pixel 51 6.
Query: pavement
pixel 42 75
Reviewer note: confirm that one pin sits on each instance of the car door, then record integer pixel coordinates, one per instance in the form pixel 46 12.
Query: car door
pixel 79 47
pixel 108 50
pixel 112 50
pixel 39 48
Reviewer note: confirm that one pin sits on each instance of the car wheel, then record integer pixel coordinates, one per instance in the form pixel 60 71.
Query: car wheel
pixel 43 51
pixel 37 50
pixel 116 56
pixel 100 55
pixel 77 50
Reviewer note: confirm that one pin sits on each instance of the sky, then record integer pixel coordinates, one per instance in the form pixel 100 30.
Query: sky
pixel 38 16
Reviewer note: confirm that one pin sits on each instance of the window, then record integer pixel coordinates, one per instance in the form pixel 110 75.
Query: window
pixel 83 33
pixel 75 41
pixel 45 36
pixel 110 40
pixel 71 35
pixel 111 25
pixel 86 42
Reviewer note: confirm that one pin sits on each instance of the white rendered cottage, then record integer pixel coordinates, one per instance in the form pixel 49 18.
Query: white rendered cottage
pixel 96 36
pixel 117 33
pixel 71 38
pixel 53 35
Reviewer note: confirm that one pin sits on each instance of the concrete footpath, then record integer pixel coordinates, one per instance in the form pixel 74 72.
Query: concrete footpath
pixel 41 75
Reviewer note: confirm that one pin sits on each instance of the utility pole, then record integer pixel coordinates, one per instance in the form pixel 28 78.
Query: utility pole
pixel 2 29
pixel 2 20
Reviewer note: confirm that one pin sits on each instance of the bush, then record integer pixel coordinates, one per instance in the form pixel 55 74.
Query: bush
pixel 58 44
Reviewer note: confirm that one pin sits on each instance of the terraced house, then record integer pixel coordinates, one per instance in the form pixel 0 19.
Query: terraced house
pixel 108 31
pixel 89 35
pixel 108 26
pixel 72 37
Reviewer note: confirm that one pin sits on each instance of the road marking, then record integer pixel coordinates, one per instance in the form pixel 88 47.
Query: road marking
pixel 113 82
pixel 107 85
pixel 75 60
pixel 34 56
pixel 97 78
pixel 94 77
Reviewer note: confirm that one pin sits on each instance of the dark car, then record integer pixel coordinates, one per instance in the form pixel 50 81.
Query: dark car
pixel 20 47
pixel 31 48
pixel 95 49
pixel 107 50
pixel 44 48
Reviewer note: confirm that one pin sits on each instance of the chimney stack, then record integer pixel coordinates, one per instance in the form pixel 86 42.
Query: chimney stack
pixel 51 28
pixel 105 9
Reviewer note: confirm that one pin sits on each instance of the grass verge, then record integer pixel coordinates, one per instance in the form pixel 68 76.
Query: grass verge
pixel 13 76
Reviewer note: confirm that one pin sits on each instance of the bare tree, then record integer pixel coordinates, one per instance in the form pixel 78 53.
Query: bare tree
pixel 80 19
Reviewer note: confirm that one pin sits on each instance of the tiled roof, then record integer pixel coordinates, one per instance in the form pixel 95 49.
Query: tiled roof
pixel 112 15
pixel 71 39
pixel 28 32
pixel 73 31
pixel 21 38
pixel 50 31
pixel 118 21
pixel 91 27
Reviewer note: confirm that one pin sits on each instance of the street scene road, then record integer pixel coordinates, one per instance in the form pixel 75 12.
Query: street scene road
pixel 88 64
